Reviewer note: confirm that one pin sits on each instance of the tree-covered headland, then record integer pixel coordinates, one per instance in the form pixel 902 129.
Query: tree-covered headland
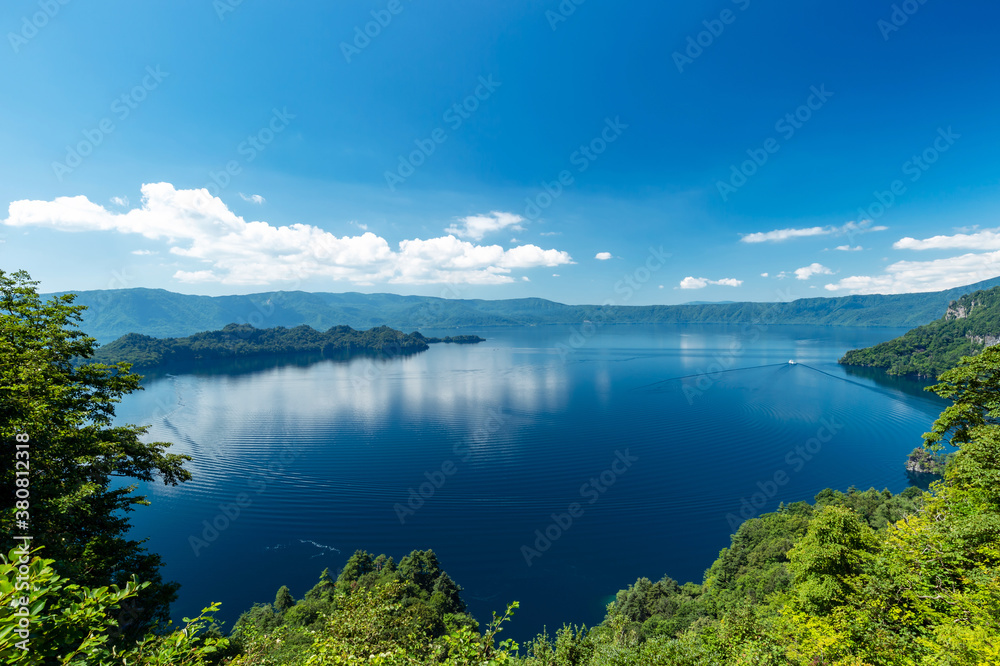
pixel 970 324
pixel 242 341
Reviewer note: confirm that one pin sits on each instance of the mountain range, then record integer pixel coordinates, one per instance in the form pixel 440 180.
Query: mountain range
pixel 161 313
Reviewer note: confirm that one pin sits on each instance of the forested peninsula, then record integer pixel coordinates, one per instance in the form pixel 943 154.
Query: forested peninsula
pixel 240 341
pixel 970 324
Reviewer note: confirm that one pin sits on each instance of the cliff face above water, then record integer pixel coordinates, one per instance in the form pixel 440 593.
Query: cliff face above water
pixel 969 325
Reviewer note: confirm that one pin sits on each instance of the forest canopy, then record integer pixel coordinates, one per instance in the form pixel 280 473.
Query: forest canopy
pixel 238 341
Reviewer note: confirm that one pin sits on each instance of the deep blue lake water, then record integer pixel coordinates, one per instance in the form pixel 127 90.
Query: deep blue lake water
pixel 527 423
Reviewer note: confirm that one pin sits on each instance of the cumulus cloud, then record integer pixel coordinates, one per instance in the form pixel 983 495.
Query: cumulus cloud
pixel 476 227
pixel 700 283
pixel 602 256
pixel 987 239
pixel 779 235
pixel 227 249
pixel 763 274
pixel 848 248
pixel 120 201
pixel 914 276
pixel 252 198
pixel 807 272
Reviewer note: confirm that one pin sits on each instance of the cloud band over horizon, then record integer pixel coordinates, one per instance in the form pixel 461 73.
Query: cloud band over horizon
pixel 224 248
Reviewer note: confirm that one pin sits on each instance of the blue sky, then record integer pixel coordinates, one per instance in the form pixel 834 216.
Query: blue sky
pixel 501 149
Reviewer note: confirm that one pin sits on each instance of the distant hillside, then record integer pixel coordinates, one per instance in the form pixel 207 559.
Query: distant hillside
pixel 161 313
pixel 237 341
pixel 969 325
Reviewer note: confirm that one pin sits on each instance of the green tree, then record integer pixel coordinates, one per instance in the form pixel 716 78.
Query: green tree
pixel 283 600
pixel 825 562
pixel 72 624
pixel 974 388
pixel 324 589
pixel 66 410
pixel 359 564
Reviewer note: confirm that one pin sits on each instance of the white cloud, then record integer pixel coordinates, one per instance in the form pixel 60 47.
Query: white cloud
pixel 807 272
pixel 120 201
pixel 914 276
pixel 848 248
pixel 782 234
pixel 475 227
pixel 252 198
pixel 779 235
pixel 763 274
pixel 363 227
pixel 602 256
pixel 551 233
pixel 199 227
pixel 142 252
pixel 987 239
pixel 701 283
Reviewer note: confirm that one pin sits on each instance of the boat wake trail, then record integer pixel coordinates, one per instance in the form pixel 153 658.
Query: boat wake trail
pixel 319 545
pixel 707 374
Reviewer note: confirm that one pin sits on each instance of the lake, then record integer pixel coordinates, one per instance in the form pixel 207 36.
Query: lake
pixel 549 465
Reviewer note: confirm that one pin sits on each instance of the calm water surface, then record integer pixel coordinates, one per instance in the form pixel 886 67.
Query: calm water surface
pixel 324 458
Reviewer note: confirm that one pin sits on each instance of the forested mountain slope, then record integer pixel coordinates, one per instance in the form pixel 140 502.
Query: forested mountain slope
pixel 969 325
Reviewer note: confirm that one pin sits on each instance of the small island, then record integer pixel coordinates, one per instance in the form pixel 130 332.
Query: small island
pixel 242 341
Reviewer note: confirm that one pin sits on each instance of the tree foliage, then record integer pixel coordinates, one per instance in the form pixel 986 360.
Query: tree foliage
pixel 77 452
